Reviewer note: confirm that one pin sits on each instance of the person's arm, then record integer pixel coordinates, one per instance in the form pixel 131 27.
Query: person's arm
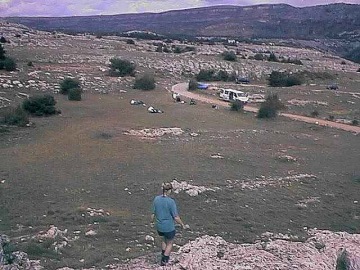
pixel 179 221
pixel 152 218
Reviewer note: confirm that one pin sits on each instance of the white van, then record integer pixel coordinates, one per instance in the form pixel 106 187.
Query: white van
pixel 232 95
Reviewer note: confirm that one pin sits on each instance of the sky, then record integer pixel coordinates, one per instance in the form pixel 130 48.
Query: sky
pixel 57 8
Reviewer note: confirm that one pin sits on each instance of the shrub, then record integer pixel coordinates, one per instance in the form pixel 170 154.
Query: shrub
pixel 259 56
pixel 145 82
pixel 41 105
pixel 3 40
pixel 30 64
pixel 8 249
pixel 229 56
pixel 74 94
pixel 354 55
pixel 177 50
pixel 2 52
pixel 9 64
pixel 205 75
pixel 273 58
pixel 14 117
pixel 121 67
pixel 355 122
pixel 222 75
pixel 270 107
pixel 159 49
pixel 314 113
pixel 331 117
pixel 130 41
pixel 237 105
pixel 67 84
pixel 358 70
pixel 281 79
pixel 193 84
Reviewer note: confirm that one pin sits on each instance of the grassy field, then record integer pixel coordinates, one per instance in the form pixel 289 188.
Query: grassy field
pixel 54 172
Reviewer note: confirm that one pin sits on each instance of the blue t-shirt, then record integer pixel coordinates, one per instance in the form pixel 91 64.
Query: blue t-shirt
pixel 164 209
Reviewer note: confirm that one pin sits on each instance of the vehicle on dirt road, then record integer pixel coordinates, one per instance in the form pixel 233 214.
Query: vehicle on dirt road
pixel 233 95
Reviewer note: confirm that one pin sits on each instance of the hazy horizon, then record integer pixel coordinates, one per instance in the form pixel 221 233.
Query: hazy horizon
pixel 52 8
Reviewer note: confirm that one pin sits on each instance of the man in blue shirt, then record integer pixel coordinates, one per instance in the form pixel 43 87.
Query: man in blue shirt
pixel 165 214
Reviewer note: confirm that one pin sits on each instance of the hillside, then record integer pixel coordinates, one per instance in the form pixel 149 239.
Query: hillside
pixel 339 21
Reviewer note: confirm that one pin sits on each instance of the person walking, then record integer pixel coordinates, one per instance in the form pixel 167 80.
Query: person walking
pixel 165 214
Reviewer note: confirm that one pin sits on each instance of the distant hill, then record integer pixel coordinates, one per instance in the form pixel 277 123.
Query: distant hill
pixel 339 21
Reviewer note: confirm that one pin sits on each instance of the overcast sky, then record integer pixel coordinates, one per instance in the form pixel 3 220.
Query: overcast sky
pixel 106 7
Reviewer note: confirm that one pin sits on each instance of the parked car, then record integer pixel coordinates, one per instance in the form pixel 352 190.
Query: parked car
pixel 233 95
pixel 332 87
pixel 242 80
pixel 202 86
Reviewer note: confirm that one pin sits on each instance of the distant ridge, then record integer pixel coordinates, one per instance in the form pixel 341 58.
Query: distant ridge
pixel 339 21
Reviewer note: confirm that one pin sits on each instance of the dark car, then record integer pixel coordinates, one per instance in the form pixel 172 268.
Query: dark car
pixel 332 87
pixel 242 80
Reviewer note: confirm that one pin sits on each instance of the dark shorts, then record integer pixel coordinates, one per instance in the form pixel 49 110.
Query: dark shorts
pixel 168 235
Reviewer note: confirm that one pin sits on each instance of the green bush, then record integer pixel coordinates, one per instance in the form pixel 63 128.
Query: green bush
pixel 273 58
pixel 205 75
pixel 121 67
pixel 259 57
pixel 67 84
pixel 30 64
pixel 130 41
pixel 270 107
pixel 41 105
pixel 193 84
pixel 237 105
pixel 314 113
pixel 229 56
pixel 145 82
pixel 2 52
pixel 9 64
pixel 355 122
pixel 14 117
pixel 177 50
pixel 8 249
pixel 222 75
pixel 354 55
pixel 284 79
pixel 74 94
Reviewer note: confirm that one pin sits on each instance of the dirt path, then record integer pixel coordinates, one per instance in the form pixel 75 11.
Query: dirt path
pixel 181 89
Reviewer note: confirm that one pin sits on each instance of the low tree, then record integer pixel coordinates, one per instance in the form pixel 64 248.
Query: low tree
pixel 3 39
pixel 259 56
pixel 205 75
pixel 237 105
pixel 229 56
pixel 273 58
pixel 130 41
pixel 121 67
pixel 271 106
pixel 9 64
pixel 14 117
pixel 74 94
pixel 222 75
pixel 145 82
pixel 2 52
pixel 193 84
pixel 41 105
pixel 281 79
pixel 67 84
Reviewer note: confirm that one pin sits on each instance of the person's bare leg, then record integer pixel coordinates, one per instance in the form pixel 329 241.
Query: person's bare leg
pixel 163 245
pixel 168 248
